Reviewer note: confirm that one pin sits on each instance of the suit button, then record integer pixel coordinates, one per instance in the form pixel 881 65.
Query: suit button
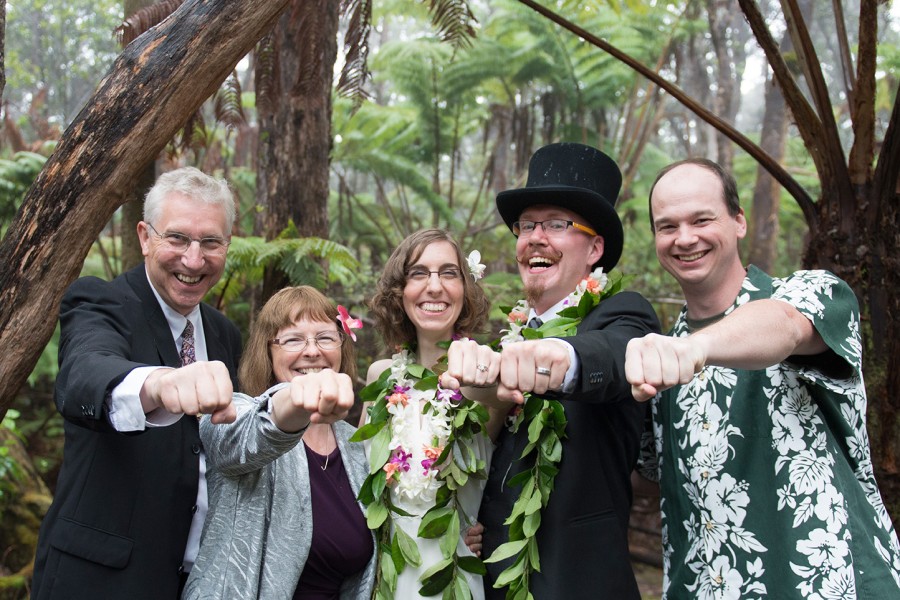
pixel 486 498
pixel 195 448
pixel 194 509
pixel 180 569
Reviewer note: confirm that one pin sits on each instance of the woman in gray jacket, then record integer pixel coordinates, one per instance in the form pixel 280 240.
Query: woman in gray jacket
pixel 283 520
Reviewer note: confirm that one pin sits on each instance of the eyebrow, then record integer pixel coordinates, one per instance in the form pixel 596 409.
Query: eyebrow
pixel 443 266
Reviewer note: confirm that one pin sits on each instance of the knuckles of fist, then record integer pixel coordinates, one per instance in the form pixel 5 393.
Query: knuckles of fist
pixel 206 388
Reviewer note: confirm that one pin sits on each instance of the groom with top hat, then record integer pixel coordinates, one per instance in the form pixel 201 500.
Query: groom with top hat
pixel 566 225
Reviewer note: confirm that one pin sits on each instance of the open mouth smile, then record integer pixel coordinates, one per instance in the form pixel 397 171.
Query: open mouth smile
pixel 434 307
pixel 540 263
pixel 187 279
pixel 692 257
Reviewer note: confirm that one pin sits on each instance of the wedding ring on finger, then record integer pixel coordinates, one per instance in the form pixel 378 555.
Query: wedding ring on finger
pixel 542 371
pixel 482 367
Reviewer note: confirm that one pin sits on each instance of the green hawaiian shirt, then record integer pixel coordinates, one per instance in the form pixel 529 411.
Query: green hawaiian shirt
pixel 766 478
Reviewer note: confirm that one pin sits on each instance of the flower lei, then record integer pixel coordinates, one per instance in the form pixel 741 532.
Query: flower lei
pixel 545 422
pixel 448 464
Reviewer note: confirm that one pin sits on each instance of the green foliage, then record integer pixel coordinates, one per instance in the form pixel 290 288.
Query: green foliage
pixel 297 257
pixel 61 47
pixel 16 176
pixel 10 470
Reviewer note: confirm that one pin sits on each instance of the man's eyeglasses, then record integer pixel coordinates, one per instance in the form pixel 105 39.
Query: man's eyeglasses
pixel 324 341
pixel 179 242
pixel 550 227
pixel 421 274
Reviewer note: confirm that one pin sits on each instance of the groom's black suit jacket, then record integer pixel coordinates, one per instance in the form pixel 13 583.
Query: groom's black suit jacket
pixel 119 522
pixel 583 534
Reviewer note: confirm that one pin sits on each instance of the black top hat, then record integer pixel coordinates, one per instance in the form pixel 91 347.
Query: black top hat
pixel 576 177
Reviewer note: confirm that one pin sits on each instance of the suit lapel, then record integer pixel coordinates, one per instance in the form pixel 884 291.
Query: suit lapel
pixel 156 320
pixel 215 347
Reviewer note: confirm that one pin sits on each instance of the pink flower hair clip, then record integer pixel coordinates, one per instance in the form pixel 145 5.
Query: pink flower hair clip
pixel 348 323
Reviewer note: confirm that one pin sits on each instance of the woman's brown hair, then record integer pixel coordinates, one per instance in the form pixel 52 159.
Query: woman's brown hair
pixel 286 307
pixel 387 304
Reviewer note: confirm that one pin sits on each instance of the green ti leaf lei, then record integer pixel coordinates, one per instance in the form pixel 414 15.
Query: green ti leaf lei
pixel 450 463
pixel 545 422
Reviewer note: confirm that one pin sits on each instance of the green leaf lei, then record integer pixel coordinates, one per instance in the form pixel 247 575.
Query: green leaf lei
pixel 455 464
pixel 545 422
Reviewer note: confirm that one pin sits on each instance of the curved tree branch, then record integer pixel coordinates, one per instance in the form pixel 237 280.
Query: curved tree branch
pixel 155 84
pixel 833 170
pixel 776 170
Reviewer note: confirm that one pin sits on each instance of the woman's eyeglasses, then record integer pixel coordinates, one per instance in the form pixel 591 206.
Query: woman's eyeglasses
pixel 324 341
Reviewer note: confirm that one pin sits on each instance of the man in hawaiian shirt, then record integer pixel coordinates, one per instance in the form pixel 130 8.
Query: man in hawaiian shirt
pixel 759 416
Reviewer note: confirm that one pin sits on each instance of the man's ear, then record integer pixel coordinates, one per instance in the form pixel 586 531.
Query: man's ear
pixel 144 237
pixel 741 220
pixel 596 253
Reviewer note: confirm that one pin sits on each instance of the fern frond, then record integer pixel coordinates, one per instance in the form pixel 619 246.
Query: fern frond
pixel 228 106
pixel 266 82
pixel 454 21
pixel 355 73
pixel 144 19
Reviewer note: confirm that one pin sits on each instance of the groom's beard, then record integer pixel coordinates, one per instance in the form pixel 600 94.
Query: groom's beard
pixel 536 286
pixel 534 292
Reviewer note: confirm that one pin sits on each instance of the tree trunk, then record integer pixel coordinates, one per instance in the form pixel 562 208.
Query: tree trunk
pixel 2 49
pixel 133 206
pixel 295 125
pixel 156 83
pixel 728 34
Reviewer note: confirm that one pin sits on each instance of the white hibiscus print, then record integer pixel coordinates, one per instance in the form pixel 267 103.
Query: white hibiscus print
pixel 727 500
pixel 830 509
pixel 824 550
pixel 720 581
pixel 787 433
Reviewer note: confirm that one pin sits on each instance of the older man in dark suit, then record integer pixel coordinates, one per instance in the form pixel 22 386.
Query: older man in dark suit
pixel 136 354
pixel 566 226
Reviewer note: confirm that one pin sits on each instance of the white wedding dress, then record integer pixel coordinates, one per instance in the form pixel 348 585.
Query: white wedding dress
pixel 415 493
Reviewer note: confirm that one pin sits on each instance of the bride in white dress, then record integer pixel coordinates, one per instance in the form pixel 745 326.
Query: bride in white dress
pixel 427 296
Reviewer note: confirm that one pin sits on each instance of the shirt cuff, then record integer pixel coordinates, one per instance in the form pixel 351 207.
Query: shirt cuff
pixel 125 410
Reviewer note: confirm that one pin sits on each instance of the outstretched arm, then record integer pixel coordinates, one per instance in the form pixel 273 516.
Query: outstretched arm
pixel 320 398
pixel 756 335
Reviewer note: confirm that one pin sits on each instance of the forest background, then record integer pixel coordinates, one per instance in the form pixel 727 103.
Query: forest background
pixel 344 126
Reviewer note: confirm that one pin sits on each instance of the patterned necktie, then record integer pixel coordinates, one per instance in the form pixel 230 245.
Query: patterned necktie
pixel 187 345
pixel 535 322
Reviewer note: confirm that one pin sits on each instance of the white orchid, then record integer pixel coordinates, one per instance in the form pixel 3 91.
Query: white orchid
pixel 475 266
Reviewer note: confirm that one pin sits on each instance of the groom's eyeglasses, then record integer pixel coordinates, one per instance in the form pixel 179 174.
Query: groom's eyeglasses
pixel 550 226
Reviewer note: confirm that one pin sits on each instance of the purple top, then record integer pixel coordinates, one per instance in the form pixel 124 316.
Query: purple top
pixel 341 542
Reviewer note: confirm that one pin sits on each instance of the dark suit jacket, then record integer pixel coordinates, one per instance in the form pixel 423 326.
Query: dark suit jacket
pixel 119 522
pixel 583 534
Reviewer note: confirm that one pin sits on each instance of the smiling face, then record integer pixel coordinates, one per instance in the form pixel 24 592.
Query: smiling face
pixel 696 237
pixel 311 359
pixel 434 303
pixel 183 279
pixel 552 266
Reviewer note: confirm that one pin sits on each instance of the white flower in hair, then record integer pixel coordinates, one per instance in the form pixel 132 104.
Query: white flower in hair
pixel 475 266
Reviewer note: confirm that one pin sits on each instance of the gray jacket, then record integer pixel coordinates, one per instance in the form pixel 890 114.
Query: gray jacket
pixel 258 531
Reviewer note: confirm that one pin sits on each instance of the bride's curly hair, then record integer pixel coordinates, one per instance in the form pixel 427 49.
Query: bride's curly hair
pixel 386 305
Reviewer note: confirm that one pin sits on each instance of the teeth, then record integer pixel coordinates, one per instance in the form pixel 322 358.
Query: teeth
pixel 308 370
pixel 433 306
pixel 539 261
pixel 691 257
pixel 187 279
